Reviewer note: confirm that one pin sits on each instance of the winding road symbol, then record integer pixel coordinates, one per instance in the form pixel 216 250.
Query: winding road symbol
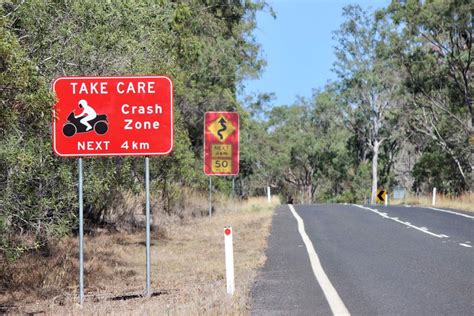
pixel 221 128
pixel 222 121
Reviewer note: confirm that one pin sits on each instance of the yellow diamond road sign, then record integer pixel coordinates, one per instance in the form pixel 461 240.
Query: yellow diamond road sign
pixel 221 128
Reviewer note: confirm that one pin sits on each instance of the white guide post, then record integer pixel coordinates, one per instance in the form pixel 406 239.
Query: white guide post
pixel 386 199
pixel 229 260
pixel 434 197
pixel 269 194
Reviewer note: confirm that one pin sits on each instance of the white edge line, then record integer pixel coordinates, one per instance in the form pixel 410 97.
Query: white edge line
pixel 335 302
pixel 451 212
pixel 399 221
pixel 465 245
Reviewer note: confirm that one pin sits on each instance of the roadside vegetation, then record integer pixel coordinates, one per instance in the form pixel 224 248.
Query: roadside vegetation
pixel 400 114
pixel 457 202
pixel 188 272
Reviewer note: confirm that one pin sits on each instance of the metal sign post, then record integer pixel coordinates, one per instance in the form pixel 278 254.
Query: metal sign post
pixel 81 237
pixel 210 196
pixel 147 214
pixel 233 186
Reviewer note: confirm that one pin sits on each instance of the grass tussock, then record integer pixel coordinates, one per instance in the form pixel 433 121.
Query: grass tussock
pixel 187 267
pixel 462 202
pixel 40 274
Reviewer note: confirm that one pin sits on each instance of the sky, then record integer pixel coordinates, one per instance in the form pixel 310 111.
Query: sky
pixel 298 46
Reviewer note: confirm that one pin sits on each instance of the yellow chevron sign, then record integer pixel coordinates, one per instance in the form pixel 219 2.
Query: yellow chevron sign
pixel 381 196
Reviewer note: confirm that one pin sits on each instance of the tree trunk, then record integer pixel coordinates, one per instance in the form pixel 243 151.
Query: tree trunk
pixel 375 159
pixel 309 190
pixel 471 136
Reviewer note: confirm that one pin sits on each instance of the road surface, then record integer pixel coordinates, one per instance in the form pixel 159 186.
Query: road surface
pixel 367 260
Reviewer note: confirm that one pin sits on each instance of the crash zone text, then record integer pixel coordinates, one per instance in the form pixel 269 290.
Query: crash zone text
pixel 131 123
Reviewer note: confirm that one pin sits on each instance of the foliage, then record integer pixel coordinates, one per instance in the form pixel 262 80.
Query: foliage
pixel 435 48
pixel 400 112
pixel 368 82
pixel 34 199
pixel 205 46
pixel 403 98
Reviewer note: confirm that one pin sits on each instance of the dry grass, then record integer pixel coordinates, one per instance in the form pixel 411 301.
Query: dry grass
pixel 127 212
pixel 187 267
pixel 462 202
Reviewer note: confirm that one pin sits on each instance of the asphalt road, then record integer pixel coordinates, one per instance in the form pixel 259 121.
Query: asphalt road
pixel 380 260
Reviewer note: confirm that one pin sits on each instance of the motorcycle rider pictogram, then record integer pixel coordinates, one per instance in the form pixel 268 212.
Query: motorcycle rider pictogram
pixel 87 121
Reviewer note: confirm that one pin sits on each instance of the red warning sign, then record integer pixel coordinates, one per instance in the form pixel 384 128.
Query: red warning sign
pixel 113 116
pixel 221 143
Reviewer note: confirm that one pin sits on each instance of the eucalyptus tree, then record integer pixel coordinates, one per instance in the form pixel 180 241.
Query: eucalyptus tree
pixel 293 146
pixel 256 147
pixel 306 154
pixel 369 79
pixel 434 46
pixel 332 153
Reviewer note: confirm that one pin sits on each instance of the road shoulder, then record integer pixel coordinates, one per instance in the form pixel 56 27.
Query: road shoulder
pixel 286 281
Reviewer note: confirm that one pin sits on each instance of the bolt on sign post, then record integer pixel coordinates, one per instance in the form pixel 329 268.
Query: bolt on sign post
pixel 221 146
pixel 113 116
pixel 229 260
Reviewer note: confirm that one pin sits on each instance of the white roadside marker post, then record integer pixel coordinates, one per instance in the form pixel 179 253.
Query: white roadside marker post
pixel 229 260
pixel 434 197
pixel 386 199
pixel 269 195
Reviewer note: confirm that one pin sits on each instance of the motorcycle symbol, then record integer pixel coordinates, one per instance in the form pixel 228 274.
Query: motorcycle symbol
pixel 99 124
